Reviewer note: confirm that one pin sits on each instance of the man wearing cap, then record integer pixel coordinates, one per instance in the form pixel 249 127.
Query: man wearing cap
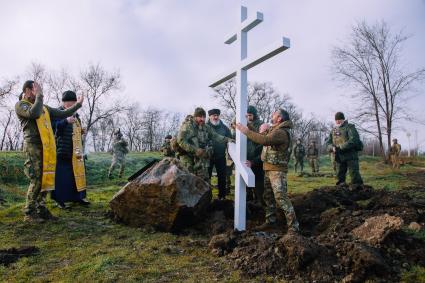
pixel 299 154
pixel 276 142
pixel 313 157
pixel 166 149
pixel 345 142
pixel 39 147
pixel 395 154
pixel 253 157
pixel 70 181
pixel 195 139
pixel 218 159
pixel 119 151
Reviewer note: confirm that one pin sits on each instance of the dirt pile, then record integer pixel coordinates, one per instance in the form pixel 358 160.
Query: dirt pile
pixel 348 236
pixel 9 256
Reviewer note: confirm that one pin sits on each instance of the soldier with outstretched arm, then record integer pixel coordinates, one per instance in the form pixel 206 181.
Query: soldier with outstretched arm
pixel 39 147
pixel 276 142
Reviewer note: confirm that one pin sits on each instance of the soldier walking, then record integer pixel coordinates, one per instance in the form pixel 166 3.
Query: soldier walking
pixel 39 147
pixel 345 142
pixel 166 149
pixel 195 142
pixel 395 154
pixel 119 151
pixel 299 154
pixel 276 142
pixel 313 157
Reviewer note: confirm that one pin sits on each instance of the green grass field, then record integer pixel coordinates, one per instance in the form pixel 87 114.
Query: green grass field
pixel 84 245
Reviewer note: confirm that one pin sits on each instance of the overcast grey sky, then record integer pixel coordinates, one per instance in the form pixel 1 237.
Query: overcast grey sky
pixel 169 51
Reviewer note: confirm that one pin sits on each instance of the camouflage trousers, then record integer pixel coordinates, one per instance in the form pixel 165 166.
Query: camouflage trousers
pixel 300 162
pixel 196 166
pixel 33 167
pixel 314 164
pixel 117 162
pixel 395 161
pixel 275 193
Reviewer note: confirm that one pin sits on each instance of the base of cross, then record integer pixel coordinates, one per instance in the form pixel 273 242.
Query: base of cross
pixel 243 177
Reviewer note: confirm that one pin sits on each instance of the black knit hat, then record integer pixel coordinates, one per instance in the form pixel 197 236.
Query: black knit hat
pixel 252 110
pixel 168 137
pixel 214 111
pixel 199 112
pixel 69 95
pixel 339 116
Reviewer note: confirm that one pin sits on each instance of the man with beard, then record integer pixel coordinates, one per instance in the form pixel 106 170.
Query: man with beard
pixel 218 159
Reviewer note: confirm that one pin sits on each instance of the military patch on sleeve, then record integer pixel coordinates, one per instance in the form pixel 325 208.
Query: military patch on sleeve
pixel 24 106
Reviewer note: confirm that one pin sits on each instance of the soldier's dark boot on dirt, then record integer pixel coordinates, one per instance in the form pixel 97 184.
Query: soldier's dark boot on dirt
pixel 33 218
pixel 266 226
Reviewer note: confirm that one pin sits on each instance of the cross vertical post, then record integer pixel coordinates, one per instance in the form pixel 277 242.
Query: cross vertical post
pixel 238 152
pixel 241 142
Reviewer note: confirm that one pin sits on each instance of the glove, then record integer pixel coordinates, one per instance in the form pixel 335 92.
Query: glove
pixel 199 152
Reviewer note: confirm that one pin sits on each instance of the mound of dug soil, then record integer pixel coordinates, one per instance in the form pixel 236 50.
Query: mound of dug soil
pixel 346 236
pixel 9 256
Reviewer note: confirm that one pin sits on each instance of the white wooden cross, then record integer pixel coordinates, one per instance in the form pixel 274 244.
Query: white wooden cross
pixel 244 175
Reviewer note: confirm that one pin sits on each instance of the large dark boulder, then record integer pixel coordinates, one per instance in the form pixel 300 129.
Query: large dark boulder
pixel 166 196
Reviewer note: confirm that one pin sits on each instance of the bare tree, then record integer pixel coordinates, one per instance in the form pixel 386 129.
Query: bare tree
pixel 97 85
pixel 261 95
pixel 6 88
pixel 370 63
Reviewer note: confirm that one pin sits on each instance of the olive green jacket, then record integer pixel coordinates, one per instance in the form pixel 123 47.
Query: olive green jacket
pixel 346 139
pixel 276 141
pixel 28 113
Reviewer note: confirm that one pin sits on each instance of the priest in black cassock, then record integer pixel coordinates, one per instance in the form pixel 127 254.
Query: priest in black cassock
pixel 70 179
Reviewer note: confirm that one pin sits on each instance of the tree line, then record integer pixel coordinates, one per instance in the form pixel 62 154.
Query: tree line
pixel 369 63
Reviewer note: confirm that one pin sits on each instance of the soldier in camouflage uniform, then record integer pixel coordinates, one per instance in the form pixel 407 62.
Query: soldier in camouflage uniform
pixel 299 154
pixel 276 143
pixel 166 149
pixel 119 151
pixel 395 154
pixel 313 157
pixel 345 142
pixel 195 142
pixel 29 109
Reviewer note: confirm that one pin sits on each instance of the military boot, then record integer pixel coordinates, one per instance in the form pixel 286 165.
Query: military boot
pixel 44 213
pixel 33 218
pixel 266 226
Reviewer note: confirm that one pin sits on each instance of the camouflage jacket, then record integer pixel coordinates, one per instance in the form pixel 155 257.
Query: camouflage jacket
pixel 254 149
pixel 276 143
pixel 119 148
pixel 312 152
pixel 192 136
pixel 299 151
pixel 347 139
pixel 166 149
pixel 28 113
pixel 395 149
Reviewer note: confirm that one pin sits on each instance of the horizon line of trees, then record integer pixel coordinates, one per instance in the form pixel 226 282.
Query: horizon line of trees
pixel 369 63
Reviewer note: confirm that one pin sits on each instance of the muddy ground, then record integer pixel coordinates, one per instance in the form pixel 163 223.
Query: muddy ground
pixel 327 249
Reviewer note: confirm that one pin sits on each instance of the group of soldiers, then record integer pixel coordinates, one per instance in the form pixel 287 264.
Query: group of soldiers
pixel 201 145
